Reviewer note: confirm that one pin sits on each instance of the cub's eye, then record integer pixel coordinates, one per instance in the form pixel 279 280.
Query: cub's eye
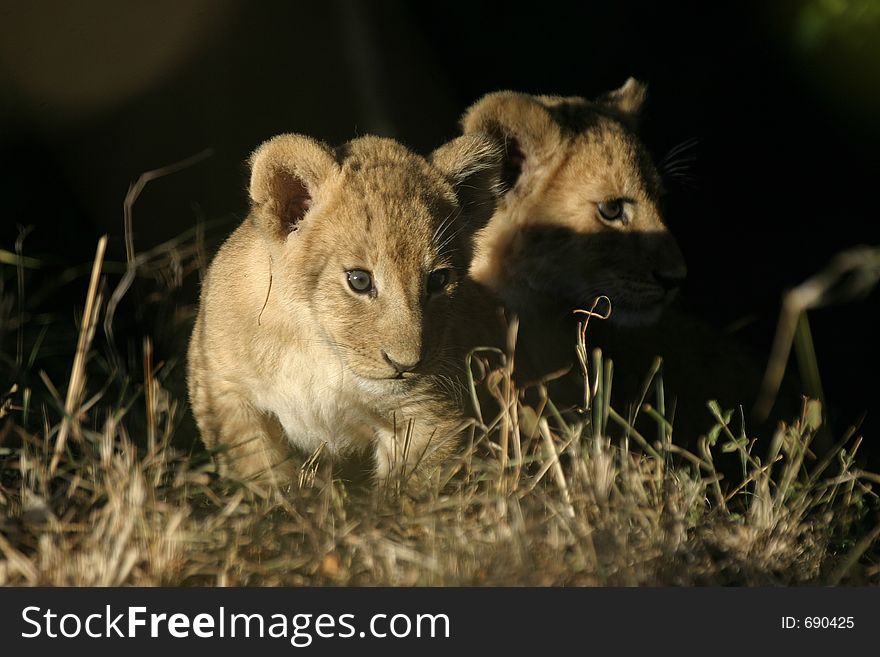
pixel 360 281
pixel 611 210
pixel 438 279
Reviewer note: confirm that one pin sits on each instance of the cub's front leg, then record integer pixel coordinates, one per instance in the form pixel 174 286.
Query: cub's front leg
pixel 249 442
pixel 409 453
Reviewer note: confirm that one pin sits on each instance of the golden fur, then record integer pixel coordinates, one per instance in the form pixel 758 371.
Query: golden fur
pixel 285 353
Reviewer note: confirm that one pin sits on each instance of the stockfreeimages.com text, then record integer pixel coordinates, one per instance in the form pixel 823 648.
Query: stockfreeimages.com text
pixel 300 629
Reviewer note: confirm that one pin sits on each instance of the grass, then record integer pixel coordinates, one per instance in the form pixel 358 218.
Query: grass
pixel 101 484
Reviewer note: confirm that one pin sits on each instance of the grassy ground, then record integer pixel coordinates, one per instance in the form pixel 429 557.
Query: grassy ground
pixel 100 483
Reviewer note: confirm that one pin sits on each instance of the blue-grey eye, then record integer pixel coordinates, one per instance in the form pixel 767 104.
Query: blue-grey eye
pixel 360 281
pixel 611 210
pixel 438 279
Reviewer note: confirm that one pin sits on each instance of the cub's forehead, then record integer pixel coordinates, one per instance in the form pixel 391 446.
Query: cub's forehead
pixel 371 225
pixel 406 190
pixel 390 178
pixel 574 115
pixel 385 165
pixel 609 152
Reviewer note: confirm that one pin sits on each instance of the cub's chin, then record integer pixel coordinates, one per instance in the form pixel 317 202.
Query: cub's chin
pixel 636 316
pixel 381 387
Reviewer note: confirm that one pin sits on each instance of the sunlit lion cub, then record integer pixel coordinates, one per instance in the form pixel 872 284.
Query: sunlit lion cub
pixel 340 311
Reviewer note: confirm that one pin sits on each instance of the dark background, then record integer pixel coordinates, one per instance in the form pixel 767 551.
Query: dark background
pixel 783 98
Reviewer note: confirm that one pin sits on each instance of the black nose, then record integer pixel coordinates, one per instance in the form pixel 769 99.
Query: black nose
pixel 669 280
pixel 400 367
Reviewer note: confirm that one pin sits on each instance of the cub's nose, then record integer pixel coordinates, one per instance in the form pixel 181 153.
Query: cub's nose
pixel 401 367
pixel 670 279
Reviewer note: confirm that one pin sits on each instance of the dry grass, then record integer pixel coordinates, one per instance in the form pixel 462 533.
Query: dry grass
pixel 536 498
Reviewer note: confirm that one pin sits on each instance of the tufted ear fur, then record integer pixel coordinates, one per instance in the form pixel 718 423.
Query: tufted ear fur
pixel 472 164
pixel 287 172
pixel 525 128
pixel 626 101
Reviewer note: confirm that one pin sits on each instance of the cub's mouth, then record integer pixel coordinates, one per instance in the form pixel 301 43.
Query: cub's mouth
pixel 394 378
pixel 383 369
pixel 637 310
pixel 636 316
pixel 384 377
pixel 632 304
pixel 402 376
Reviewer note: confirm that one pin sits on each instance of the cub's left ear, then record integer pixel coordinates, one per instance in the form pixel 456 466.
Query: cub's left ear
pixel 627 101
pixel 472 163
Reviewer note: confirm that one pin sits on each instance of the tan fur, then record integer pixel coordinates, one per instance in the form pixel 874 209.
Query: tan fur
pixel 285 354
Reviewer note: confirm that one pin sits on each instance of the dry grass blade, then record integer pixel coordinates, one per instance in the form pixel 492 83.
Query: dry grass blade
pixel 581 344
pixel 76 384
pixel 132 258
pixel 850 275
pixel 558 473
pixel 134 191
pixel 853 556
pixel 19 562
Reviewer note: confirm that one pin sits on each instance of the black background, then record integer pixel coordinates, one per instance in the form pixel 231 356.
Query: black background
pixel 783 98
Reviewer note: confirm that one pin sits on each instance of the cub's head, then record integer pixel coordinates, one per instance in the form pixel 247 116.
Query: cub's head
pixel 372 243
pixel 580 217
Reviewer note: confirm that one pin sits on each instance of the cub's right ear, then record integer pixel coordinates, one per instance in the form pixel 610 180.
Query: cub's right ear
pixel 287 173
pixel 523 125
pixel 626 101
pixel 472 163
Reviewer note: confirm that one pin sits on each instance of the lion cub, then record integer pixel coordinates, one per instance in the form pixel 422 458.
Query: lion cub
pixel 581 215
pixel 581 219
pixel 340 312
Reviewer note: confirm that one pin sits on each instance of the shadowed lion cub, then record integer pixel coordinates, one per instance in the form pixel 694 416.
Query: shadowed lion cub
pixel 580 218
pixel 340 311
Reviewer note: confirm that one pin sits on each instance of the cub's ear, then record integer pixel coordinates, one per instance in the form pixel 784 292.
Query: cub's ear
pixel 473 164
pixel 287 173
pixel 626 101
pixel 524 127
